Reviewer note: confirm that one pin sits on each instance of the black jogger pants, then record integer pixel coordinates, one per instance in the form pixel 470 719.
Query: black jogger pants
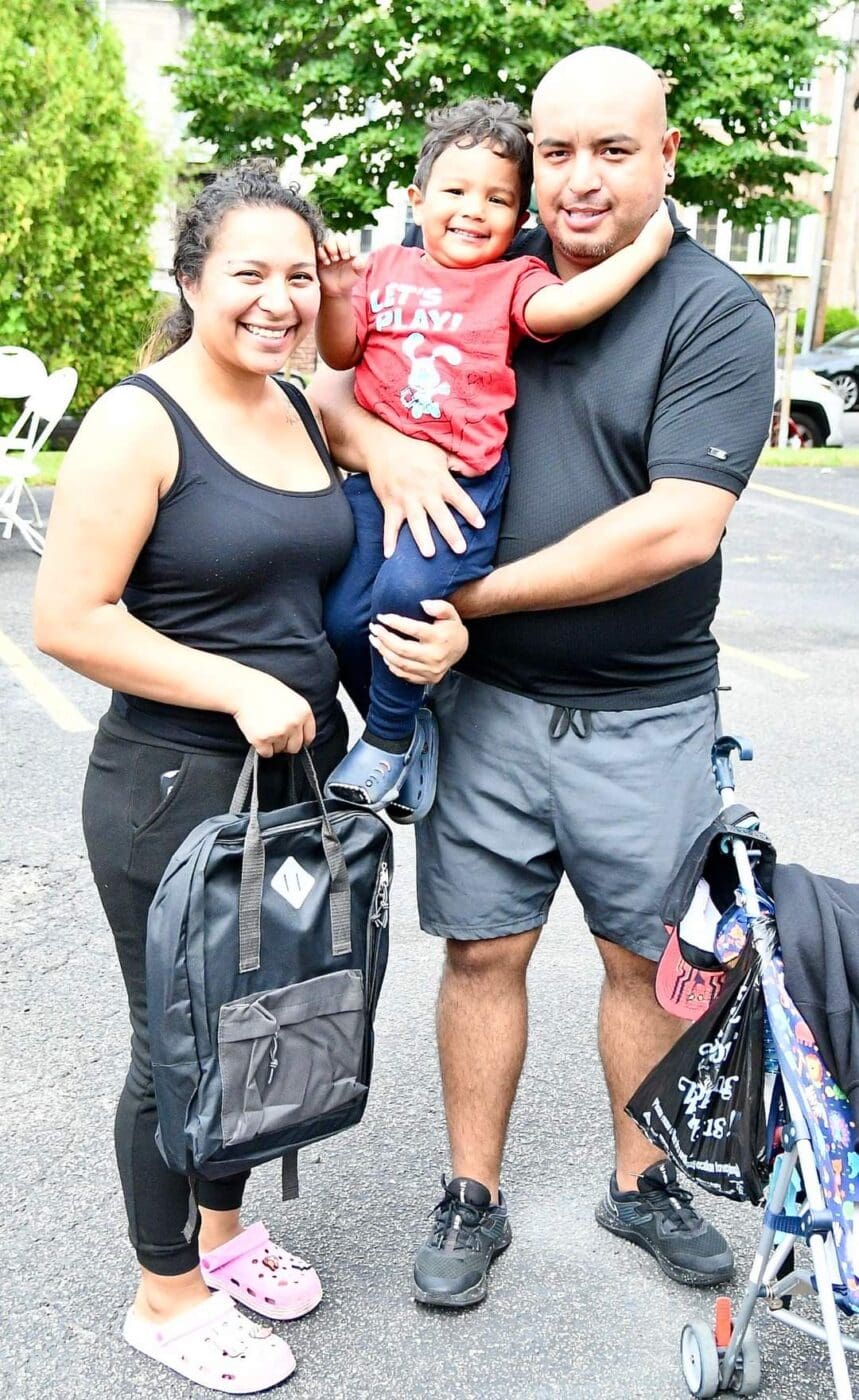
pixel 131 832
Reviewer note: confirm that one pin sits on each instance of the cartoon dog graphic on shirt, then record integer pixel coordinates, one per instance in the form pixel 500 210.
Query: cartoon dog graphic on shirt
pixel 425 383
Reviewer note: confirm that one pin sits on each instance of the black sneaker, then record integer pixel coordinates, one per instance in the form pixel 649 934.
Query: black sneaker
pixel 467 1233
pixel 660 1217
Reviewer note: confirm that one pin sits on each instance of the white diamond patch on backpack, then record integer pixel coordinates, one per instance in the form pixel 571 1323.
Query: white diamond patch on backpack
pixel 292 882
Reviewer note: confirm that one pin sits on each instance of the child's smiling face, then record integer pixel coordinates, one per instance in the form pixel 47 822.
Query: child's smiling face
pixel 469 209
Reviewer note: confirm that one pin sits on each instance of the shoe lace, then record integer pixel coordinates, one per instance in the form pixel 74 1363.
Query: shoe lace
pixel 675 1202
pixel 456 1224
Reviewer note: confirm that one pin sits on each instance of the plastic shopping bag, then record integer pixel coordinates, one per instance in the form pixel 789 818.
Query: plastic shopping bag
pixel 703 1104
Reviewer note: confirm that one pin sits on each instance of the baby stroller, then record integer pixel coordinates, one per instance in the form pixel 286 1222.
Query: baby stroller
pixel 810 1133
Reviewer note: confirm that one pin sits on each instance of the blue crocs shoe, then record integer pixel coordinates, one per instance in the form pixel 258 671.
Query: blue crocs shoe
pixel 417 793
pixel 376 780
pixel 368 777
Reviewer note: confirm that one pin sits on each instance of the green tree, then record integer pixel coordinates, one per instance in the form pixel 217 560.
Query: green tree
pixel 260 75
pixel 78 186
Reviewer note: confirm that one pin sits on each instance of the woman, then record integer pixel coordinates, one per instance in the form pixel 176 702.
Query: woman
pixel 202 497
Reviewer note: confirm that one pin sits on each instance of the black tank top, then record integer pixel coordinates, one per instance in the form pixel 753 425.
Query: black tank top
pixel 239 569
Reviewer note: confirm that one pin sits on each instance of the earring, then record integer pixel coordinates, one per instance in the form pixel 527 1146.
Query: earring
pixel 669 174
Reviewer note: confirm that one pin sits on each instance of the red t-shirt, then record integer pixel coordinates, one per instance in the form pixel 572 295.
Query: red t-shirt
pixel 436 344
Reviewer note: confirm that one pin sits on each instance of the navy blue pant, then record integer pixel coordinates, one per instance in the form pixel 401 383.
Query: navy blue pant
pixel 371 584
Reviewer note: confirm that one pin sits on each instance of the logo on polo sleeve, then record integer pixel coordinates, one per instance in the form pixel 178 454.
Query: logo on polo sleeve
pixel 292 882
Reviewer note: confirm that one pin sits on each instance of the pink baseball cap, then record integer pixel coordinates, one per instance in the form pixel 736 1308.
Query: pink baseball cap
pixel 684 990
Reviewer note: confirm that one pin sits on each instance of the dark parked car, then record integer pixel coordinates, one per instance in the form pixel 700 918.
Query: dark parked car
pixel 63 433
pixel 838 361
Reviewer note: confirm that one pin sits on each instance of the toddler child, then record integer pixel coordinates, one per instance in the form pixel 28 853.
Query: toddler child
pixel 431 334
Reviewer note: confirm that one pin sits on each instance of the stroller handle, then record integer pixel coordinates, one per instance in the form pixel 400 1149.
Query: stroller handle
pixel 723 772
pixel 720 757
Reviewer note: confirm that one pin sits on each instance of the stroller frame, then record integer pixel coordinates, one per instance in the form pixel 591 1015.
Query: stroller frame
pixel 726 1358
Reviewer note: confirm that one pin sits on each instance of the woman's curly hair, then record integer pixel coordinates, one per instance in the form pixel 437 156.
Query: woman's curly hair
pixel 249 184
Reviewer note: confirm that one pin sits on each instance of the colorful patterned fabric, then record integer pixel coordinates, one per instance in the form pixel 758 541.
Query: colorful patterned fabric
pixel 829 1118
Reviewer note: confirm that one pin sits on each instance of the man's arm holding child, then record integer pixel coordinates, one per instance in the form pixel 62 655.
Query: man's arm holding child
pixel 719 389
pixel 679 522
pixel 556 309
pixel 670 528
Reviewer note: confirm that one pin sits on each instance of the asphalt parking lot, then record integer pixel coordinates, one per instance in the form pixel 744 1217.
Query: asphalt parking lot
pixel 572 1312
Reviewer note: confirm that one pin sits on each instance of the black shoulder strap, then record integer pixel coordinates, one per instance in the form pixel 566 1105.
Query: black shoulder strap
pixel 181 423
pixel 177 415
pixel 311 427
pixel 289 1175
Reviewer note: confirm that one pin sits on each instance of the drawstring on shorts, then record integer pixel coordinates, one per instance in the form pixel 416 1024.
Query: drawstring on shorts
pixel 563 719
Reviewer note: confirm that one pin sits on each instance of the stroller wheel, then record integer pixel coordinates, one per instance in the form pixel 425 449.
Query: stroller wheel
pixel 699 1358
pixel 747 1377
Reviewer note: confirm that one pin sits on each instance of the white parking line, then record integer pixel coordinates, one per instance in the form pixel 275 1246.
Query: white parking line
pixel 64 714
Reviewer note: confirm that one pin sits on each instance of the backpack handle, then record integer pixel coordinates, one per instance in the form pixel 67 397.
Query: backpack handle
pixel 253 867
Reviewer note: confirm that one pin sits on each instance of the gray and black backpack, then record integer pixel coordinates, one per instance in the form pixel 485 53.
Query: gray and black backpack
pixel 266 948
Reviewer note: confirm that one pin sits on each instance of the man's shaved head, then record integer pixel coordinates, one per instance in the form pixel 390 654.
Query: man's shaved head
pixel 605 70
pixel 603 152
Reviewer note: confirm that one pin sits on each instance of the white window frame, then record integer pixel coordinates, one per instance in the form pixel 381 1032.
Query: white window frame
pixel 768 255
pixel 803 97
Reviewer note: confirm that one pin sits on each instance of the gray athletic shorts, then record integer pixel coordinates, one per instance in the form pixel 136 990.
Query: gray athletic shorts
pixel 528 792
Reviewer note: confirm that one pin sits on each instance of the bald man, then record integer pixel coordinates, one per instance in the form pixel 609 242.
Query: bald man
pixel 576 732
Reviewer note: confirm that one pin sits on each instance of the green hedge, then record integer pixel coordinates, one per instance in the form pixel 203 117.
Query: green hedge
pixel 838 319
pixel 79 181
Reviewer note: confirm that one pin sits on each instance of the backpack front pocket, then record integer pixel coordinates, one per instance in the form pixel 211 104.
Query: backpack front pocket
pixel 290 1055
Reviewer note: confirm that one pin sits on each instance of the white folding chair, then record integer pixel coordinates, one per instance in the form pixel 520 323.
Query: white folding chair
pixel 21 372
pixel 19 450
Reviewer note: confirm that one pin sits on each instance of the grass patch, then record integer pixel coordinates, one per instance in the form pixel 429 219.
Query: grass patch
pixel 50 462
pixel 809 457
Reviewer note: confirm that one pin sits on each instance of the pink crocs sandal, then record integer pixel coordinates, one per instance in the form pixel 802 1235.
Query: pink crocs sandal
pixel 216 1346
pixel 262 1276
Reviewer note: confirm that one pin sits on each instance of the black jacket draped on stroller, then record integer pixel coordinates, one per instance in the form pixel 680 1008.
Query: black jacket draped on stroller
pixel 818 925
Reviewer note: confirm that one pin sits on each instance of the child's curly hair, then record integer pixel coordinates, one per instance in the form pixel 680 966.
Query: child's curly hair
pixel 492 120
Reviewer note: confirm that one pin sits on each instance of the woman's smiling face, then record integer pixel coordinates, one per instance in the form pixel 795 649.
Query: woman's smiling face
pixel 258 294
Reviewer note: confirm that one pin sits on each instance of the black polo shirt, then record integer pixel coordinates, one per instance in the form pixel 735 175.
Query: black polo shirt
pixel 676 381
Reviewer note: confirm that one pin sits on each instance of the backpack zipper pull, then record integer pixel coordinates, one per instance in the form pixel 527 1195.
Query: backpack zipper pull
pixel 272 1058
pixel 379 913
